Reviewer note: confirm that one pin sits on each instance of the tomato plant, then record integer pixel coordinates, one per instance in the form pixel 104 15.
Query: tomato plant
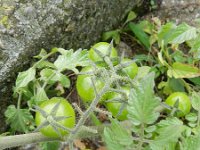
pixel 146 127
pixel 64 109
pixel 115 105
pixel 103 47
pixel 184 104
pixel 84 85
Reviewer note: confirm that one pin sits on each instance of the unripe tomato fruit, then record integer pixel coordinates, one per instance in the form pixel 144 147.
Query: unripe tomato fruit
pixel 84 85
pixel 184 103
pixel 114 106
pixel 130 70
pixel 103 47
pixel 64 109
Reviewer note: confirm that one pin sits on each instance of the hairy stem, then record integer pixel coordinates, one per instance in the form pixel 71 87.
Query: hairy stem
pixel 19 100
pixel 141 137
pixel 87 113
pixel 23 139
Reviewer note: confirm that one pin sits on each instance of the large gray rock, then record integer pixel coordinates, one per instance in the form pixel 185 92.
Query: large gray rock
pixel 26 26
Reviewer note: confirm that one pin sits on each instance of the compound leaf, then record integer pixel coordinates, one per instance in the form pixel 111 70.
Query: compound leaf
pixel 142 102
pixel 19 119
pixel 117 137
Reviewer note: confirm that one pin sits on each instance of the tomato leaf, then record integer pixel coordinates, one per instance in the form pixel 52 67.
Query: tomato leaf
pixel 165 32
pixel 195 47
pixel 70 60
pixel 52 76
pixel 180 70
pixel 191 143
pixel 117 137
pixel 169 131
pixel 142 102
pixel 40 95
pixel 195 99
pixel 182 33
pixel 140 34
pixel 45 64
pixel 19 119
pixel 24 78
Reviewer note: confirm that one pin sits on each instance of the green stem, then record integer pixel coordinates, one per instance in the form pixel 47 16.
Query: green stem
pixel 141 137
pixel 71 146
pixel 94 118
pixel 87 113
pixel 49 78
pixel 23 139
pixel 19 100
pixel 37 137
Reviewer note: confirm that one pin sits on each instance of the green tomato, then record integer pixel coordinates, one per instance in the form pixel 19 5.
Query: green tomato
pixel 103 47
pixel 84 85
pixel 64 109
pixel 130 70
pixel 114 106
pixel 184 103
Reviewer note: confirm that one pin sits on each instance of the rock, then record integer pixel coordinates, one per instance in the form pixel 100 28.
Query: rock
pixel 179 11
pixel 27 26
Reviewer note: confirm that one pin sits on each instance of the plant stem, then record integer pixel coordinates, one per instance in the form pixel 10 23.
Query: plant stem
pixel 141 137
pixel 87 113
pixel 95 120
pixel 23 139
pixel 19 100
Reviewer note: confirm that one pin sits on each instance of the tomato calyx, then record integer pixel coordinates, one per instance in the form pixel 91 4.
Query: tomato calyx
pixel 51 119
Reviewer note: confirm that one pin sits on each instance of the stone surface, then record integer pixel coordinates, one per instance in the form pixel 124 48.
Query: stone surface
pixel 179 11
pixel 26 26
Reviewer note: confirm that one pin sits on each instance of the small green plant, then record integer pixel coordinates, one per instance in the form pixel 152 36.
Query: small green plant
pixel 152 100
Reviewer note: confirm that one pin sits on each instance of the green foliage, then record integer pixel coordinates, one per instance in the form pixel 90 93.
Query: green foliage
pixel 70 60
pixel 168 131
pixel 142 102
pixel 25 77
pixel 177 34
pixel 179 70
pixel 191 143
pixel 169 63
pixel 117 137
pixel 140 34
pixel 50 145
pixel 195 99
pixel 38 82
pixel 173 56
pixel 19 119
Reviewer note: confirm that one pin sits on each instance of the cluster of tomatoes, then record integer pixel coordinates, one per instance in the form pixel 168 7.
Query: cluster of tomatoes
pixel 85 87
pixel 86 92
